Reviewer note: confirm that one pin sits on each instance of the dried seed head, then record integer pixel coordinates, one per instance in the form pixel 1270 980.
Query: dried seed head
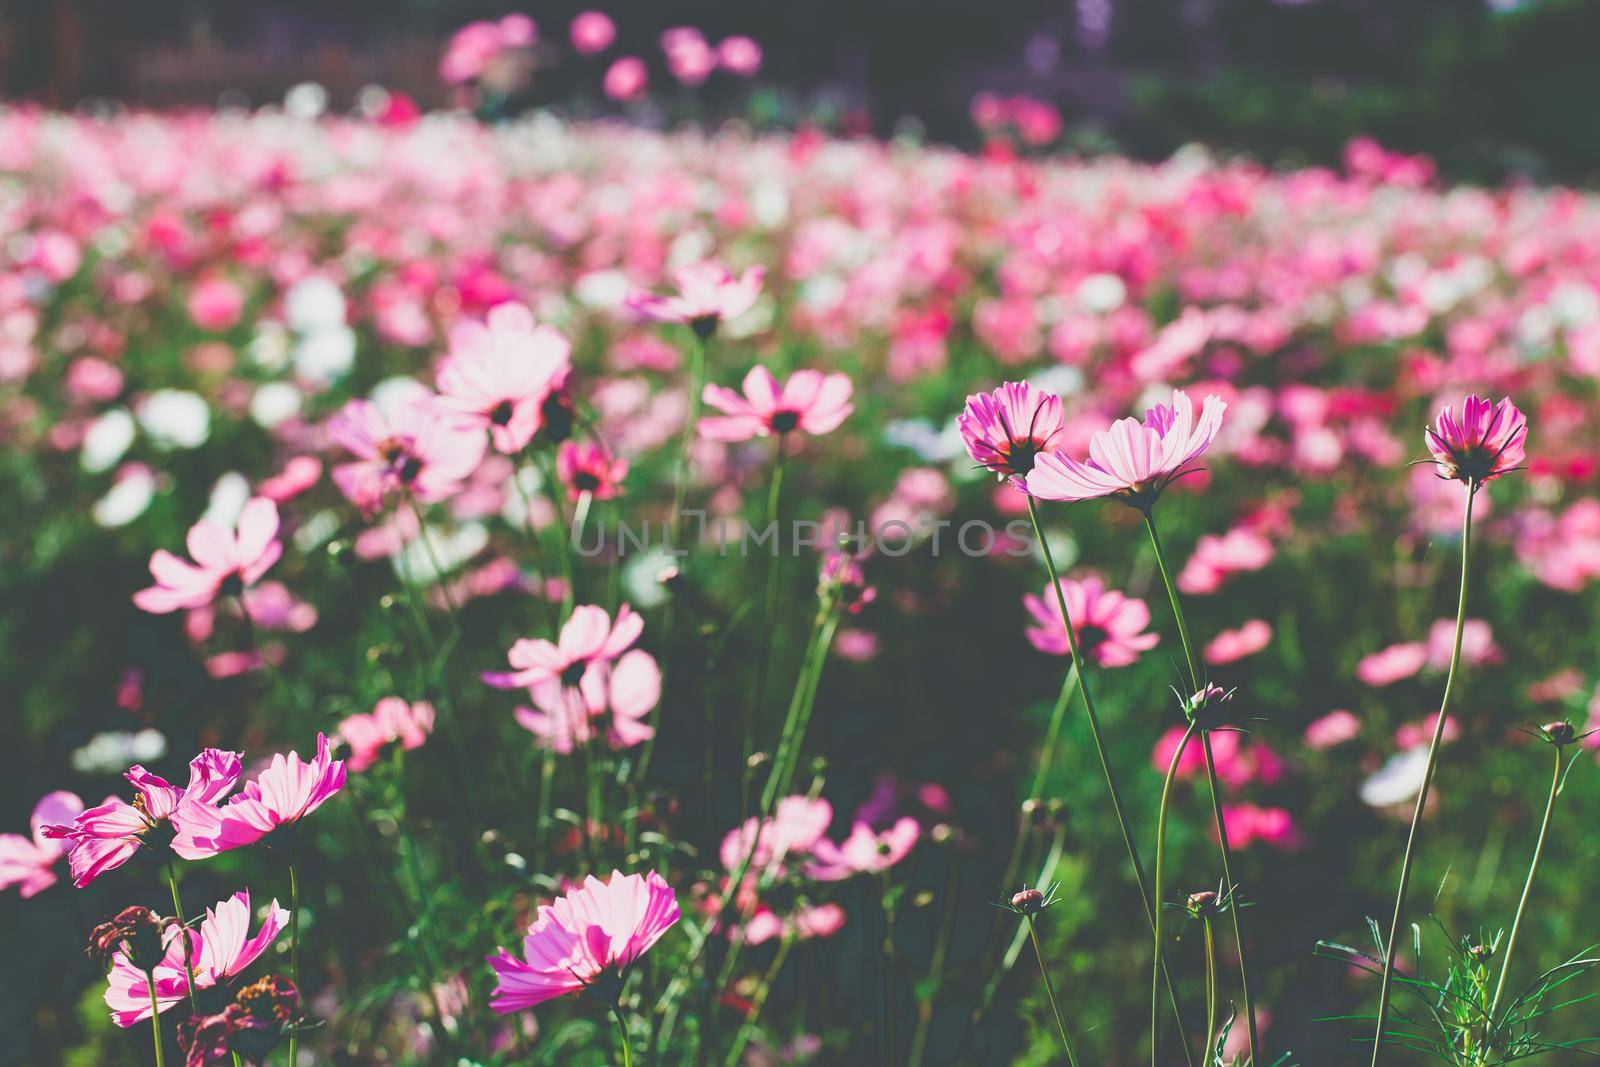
pixel 139 933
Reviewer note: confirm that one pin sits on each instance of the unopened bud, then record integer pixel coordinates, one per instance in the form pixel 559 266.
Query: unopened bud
pixel 1028 902
pixel 1560 733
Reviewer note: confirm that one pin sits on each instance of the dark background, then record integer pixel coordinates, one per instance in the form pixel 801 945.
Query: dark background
pixel 1491 88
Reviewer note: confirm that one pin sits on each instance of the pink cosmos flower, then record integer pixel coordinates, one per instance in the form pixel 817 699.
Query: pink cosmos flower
pixel 226 562
pixel 103 838
pixel 298 474
pixel 588 468
pixel 1193 760
pixel 585 941
pixel 215 304
pixel 287 791
pixel 1232 645
pixel 1110 627
pixel 626 79
pixel 797 824
pixel 1477 643
pixel 1132 460
pixel 1334 728
pixel 1215 559
pixel 563 716
pixel 589 639
pixel 1008 429
pixel 1395 663
pixel 739 56
pixel 708 295
pixel 500 372
pixel 810 401
pixel 391 720
pixel 689 57
pixel 1484 443
pixel 29 862
pixel 420 449
pixel 863 852
pixel 592 32
pixel 808 921
pixel 1249 825
pixel 219 949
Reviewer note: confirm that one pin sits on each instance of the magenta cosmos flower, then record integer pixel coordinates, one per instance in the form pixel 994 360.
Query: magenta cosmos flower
pixel 103 838
pixel 288 790
pixel 1134 461
pixel 585 941
pixel 218 950
pixel 810 401
pixel 708 295
pixel 421 449
pixel 226 562
pixel 1484 443
pixel 565 716
pixel 590 468
pixel 588 639
pixel 1008 429
pixel 500 372
pixel 1110 627
pixel 29 862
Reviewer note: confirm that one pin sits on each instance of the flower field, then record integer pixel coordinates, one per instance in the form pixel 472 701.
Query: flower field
pixel 563 593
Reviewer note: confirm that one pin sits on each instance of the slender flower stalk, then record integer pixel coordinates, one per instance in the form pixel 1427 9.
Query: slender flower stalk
pixel 622 1036
pixel 1050 991
pixel 1161 845
pixel 177 910
pixel 1152 910
pixel 1427 781
pixel 1197 684
pixel 758 1001
pixel 1209 935
pixel 155 1016
pixel 1041 772
pixel 769 623
pixel 294 950
pixel 1527 887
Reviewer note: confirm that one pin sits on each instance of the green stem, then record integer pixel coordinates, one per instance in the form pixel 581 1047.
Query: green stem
pixel 294 953
pixel 886 987
pixel 1196 681
pixel 532 537
pixel 558 495
pixel 1527 887
pixel 1161 848
pixel 928 993
pixel 622 1036
pixel 769 623
pixel 177 911
pixel 1211 983
pixel 1427 782
pixel 1151 912
pixel 1041 773
pixel 155 1016
pixel 757 1002
pixel 1050 991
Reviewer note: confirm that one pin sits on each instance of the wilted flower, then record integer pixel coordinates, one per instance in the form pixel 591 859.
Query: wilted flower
pixel 217 950
pixel 1484 443
pixel 585 941
pixel 1133 461
pixel 137 936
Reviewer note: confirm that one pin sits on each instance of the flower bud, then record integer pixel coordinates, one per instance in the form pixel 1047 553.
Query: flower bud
pixel 1560 733
pixel 1028 902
